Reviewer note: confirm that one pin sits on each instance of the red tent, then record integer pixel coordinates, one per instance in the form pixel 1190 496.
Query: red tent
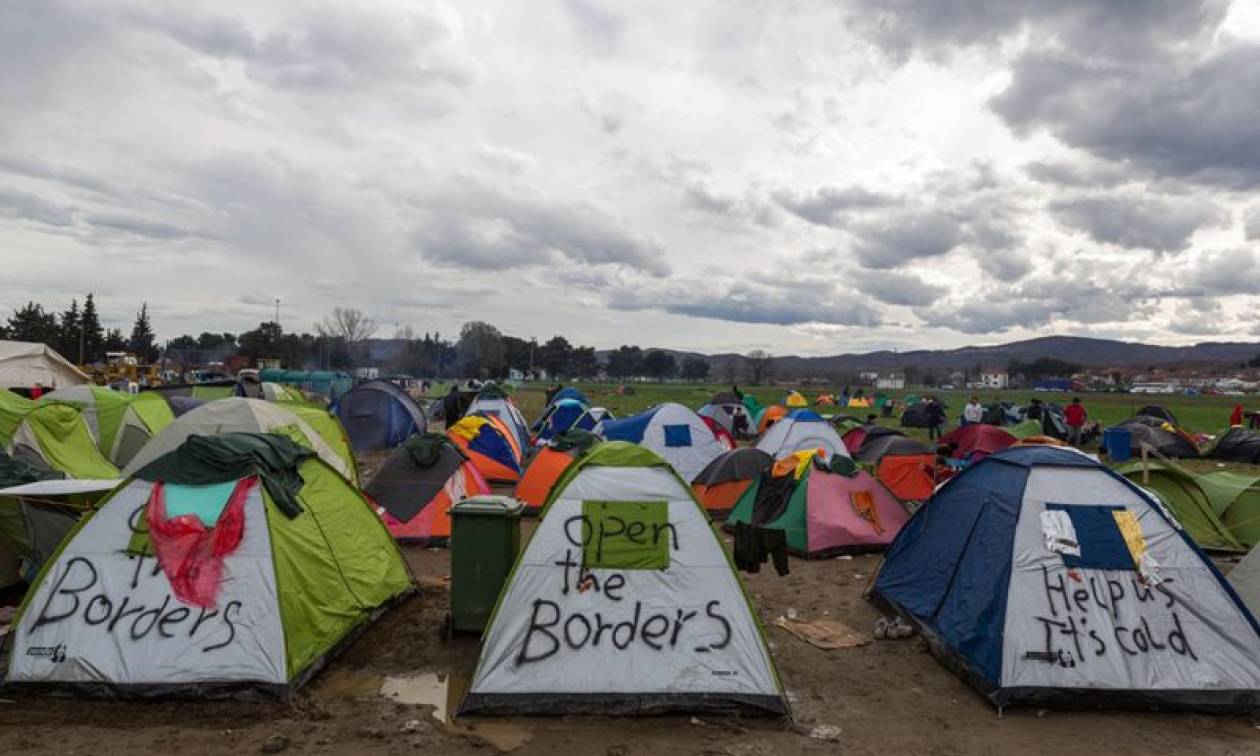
pixel 975 441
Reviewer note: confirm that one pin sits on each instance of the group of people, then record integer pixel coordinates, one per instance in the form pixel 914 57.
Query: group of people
pixel 1075 416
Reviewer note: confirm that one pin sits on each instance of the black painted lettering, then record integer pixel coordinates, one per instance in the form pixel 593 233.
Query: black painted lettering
pixel 1053 588
pixel 680 619
pixel 106 606
pixel 713 610
pixel 635 532
pixel 1178 641
pixel 151 616
pixel 631 628
pixel 666 527
pixel 173 617
pixel 85 578
pixel 650 636
pixel 605 533
pixel 614 582
pixel 585 530
pixel 1081 597
pixel 568 631
pixel 227 620
pixel 124 612
pixel 600 627
pixel 537 626
pixel 1121 630
pixel 1155 644
pixel 566 563
pixel 202 617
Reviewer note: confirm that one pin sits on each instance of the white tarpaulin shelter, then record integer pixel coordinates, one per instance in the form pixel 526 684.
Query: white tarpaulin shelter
pixel 623 601
pixel 24 364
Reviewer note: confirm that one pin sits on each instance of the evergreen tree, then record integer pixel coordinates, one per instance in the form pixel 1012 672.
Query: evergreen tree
pixel 113 341
pixel 68 332
pixel 142 336
pixel 93 334
pixel 31 323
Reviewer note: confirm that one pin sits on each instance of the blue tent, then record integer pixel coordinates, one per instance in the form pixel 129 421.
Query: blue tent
pixel 378 415
pixel 1041 577
pixel 561 417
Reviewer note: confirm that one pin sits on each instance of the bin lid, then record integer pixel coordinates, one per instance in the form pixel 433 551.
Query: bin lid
pixel 489 505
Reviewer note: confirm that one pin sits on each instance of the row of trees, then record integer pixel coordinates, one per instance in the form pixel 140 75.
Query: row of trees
pixel 77 334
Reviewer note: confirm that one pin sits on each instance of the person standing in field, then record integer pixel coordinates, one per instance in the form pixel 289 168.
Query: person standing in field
pixel 1236 417
pixel 1075 416
pixel 935 418
pixel 973 412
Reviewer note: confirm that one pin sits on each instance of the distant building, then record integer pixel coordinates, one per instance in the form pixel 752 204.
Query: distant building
pixel 994 378
pixel 367 373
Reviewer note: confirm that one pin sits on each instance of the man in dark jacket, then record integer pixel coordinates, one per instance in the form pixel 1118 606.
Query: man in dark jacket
pixel 935 418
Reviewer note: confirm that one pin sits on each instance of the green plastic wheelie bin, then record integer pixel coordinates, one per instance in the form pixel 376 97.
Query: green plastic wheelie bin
pixel 485 539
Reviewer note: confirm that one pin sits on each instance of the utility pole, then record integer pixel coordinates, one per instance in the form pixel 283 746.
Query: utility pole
pixel 277 312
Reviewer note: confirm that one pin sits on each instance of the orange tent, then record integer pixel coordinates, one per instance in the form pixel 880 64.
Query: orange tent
pixel 910 477
pixel 720 484
pixel 414 493
pixel 541 474
pixel 769 416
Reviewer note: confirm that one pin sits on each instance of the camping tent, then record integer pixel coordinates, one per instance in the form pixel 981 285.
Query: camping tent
pixel 309 426
pixel 723 436
pixel 267 564
pixel 1236 445
pixel 1025 429
pixel 492 447
pixel 50 437
pixel 548 466
pixel 906 467
pixel 326 383
pixel 915 415
pixel 1042 577
pixel 1157 412
pixel 1002 413
pixel 802 429
pixel 120 423
pixel 1182 493
pixel 822 512
pixel 417 485
pixel 1245 580
pixel 858 434
pixel 972 442
pixel 724 480
pixel 560 416
pixel 379 415
pixel 493 401
pixel 36 516
pixel 660 622
pixel 24 364
pixel 795 400
pixel 671 430
pixel 1160 436
pixel 768 416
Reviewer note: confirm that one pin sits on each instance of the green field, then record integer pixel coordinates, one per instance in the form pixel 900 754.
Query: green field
pixel 1199 414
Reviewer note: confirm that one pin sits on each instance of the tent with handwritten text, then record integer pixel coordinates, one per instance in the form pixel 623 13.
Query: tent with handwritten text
pixel 235 565
pixel 1044 578
pixel 623 601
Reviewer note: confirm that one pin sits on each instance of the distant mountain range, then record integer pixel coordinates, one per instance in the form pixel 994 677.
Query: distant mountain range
pixel 1087 352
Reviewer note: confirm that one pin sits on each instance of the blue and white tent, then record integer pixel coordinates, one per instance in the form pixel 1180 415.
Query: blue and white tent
pixel 672 431
pixel 799 430
pixel 1042 577
pixel 566 394
pixel 560 417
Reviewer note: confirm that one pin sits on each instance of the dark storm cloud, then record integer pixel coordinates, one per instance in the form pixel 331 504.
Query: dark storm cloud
pixel 1117 26
pixel 901 289
pixel 473 225
pixel 1078 175
pixel 1177 115
pixel 900 238
pixel 21 205
pixel 827 206
pixel 1251 223
pixel 1139 221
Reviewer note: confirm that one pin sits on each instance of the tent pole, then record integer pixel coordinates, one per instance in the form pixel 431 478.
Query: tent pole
pixel 1146 466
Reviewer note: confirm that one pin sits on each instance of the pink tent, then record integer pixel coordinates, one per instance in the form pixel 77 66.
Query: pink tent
pixel 849 514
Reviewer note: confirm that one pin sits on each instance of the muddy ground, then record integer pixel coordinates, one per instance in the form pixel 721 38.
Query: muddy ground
pixel 886 697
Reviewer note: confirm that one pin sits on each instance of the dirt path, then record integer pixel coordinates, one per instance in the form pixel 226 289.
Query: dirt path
pixel 886 697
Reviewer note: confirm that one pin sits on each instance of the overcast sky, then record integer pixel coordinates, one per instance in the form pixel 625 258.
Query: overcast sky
pixel 805 177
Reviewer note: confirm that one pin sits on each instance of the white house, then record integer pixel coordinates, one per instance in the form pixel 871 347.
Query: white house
pixel 994 378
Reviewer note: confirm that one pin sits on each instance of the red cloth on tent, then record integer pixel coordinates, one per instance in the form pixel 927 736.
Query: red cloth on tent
pixel 191 554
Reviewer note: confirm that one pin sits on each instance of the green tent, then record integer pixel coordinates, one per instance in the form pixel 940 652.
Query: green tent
pixel 50 437
pixel 1236 500
pixel 302 567
pixel 1025 429
pixel 1197 507
pixel 121 423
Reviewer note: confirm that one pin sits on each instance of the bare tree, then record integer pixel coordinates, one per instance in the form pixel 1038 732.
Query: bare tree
pixel 349 325
pixel 759 362
pixel 406 333
pixel 730 370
